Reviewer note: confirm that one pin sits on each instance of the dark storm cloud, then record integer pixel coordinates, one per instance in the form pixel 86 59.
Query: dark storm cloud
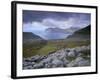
pixel 30 16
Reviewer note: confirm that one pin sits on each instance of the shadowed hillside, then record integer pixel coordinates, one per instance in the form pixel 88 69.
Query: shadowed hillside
pixel 83 33
pixel 30 35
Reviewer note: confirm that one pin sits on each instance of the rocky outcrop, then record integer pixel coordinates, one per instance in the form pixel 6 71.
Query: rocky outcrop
pixel 69 57
pixel 79 61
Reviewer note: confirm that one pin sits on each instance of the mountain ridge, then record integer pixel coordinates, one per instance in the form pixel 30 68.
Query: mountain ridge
pixel 59 30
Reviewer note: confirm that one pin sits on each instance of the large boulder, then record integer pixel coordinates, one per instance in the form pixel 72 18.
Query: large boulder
pixel 65 62
pixel 28 67
pixel 35 58
pixel 48 65
pixel 72 53
pixel 27 64
pixel 38 65
pixel 84 63
pixel 62 54
pixel 79 61
pixel 26 59
pixel 82 48
pixel 47 60
pixel 57 63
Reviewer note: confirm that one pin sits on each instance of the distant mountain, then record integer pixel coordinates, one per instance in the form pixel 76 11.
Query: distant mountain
pixel 59 30
pixel 55 30
pixel 72 29
pixel 83 33
pixel 30 36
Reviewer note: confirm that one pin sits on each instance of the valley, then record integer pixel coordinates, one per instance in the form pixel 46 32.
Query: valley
pixel 36 45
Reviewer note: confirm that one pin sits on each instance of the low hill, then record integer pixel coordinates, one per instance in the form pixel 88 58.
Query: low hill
pixel 29 36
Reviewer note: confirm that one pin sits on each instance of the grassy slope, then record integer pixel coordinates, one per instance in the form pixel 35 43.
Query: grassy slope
pixel 30 49
pixel 51 46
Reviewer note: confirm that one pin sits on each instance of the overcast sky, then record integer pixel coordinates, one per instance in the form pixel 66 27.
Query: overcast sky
pixel 41 20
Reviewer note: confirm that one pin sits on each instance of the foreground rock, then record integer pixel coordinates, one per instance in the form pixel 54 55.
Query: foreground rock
pixel 69 57
pixel 79 61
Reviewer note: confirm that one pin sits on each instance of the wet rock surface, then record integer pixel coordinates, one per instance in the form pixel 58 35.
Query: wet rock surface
pixel 68 57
